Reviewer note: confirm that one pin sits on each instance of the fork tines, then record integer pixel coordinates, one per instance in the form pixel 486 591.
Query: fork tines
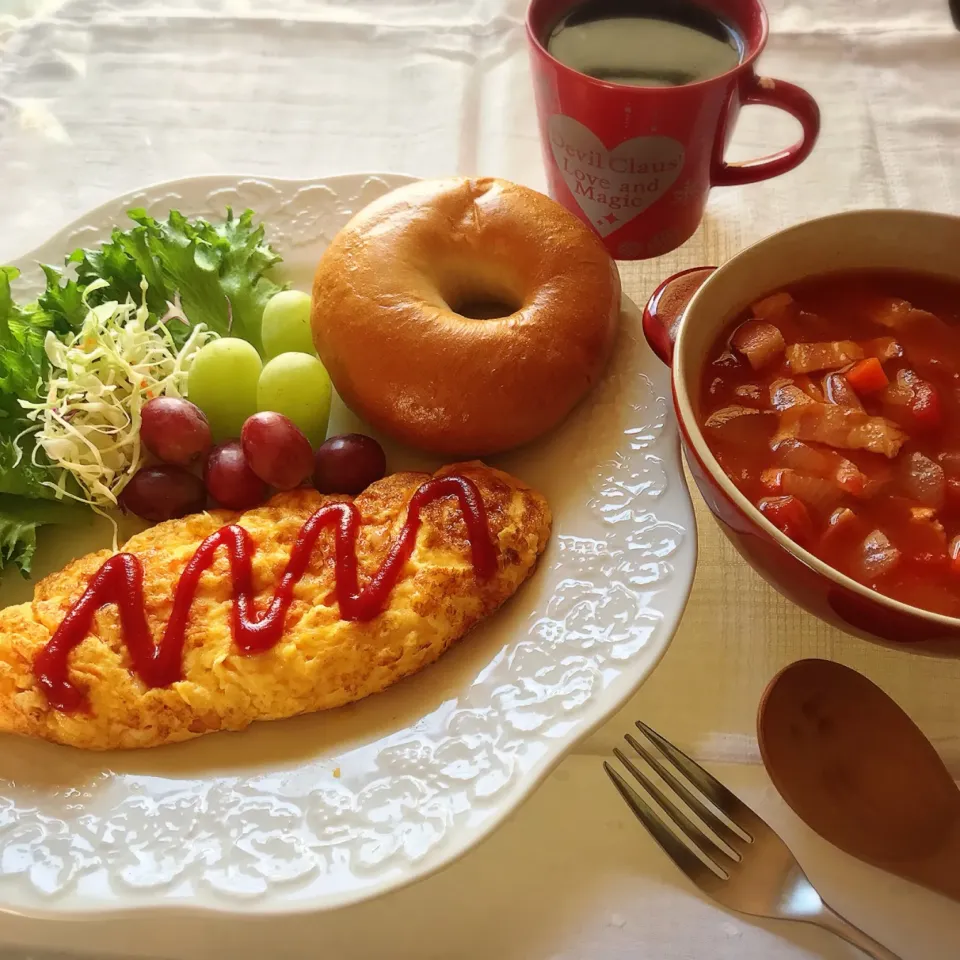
pixel 692 785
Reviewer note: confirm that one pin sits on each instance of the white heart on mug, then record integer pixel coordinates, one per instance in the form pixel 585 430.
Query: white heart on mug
pixel 613 186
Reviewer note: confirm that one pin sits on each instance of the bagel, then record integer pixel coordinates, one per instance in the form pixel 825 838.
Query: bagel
pixel 464 316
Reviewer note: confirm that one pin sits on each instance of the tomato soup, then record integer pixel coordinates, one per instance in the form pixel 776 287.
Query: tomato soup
pixel 834 406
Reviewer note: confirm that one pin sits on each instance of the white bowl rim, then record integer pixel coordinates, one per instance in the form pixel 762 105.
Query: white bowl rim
pixel 694 434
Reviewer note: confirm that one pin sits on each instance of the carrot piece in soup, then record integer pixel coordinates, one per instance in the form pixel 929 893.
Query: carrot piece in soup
pixel 761 343
pixel 867 376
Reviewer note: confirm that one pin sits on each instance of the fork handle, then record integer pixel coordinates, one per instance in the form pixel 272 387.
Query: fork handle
pixel 830 920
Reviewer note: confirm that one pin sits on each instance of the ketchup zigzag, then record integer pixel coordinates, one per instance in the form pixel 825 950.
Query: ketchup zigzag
pixel 119 581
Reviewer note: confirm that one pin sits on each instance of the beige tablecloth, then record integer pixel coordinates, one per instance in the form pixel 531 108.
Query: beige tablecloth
pixel 98 97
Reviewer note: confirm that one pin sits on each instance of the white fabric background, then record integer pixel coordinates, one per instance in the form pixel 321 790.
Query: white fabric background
pixel 98 97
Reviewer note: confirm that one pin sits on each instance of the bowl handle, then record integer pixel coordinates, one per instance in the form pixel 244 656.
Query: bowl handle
pixel 664 310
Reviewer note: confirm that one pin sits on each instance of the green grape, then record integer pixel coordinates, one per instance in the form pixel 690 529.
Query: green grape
pixel 286 324
pixel 298 387
pixel 223 384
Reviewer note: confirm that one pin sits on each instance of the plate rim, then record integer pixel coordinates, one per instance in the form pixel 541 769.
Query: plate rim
pixel 121 199
pixel 275 907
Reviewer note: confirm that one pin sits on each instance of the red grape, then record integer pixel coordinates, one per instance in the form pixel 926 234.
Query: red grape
pixel 162 493
pixel 348 464
pixel 230 481
pixel 174 430
pixel 276 450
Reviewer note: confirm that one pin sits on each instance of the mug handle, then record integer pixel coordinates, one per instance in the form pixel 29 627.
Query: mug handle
pixel 771 93
pixel 664 310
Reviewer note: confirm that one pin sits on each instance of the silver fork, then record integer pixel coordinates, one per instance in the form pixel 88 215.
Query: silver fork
pixel 758 875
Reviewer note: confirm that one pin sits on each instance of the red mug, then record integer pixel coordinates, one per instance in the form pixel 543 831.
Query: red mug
pixel 636 163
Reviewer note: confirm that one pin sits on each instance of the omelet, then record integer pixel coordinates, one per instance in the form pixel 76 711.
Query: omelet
pixel 322 661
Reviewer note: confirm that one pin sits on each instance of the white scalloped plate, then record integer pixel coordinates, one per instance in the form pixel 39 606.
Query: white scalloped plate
pixel 332 808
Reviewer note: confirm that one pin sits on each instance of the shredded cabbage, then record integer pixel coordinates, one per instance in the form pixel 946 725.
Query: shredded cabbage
pixel 100 378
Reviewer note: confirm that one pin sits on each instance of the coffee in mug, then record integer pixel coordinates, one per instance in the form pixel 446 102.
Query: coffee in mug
pixel 646 43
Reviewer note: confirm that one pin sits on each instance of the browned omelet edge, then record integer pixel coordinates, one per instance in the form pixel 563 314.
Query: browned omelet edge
pixel 321 662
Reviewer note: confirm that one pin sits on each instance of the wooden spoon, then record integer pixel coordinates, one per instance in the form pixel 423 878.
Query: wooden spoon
pixel 857 770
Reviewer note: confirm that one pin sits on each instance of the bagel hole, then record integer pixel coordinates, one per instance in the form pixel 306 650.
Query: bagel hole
pixel 480 289
pixel 485 308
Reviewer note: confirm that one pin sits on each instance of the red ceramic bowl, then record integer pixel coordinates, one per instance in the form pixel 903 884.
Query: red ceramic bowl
pixel 682 321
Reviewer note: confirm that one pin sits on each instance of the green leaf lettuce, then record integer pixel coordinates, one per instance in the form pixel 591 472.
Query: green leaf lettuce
pixel 216 273
pixel 25 501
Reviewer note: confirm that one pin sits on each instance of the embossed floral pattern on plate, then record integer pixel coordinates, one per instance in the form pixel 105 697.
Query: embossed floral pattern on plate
pixel 328 809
